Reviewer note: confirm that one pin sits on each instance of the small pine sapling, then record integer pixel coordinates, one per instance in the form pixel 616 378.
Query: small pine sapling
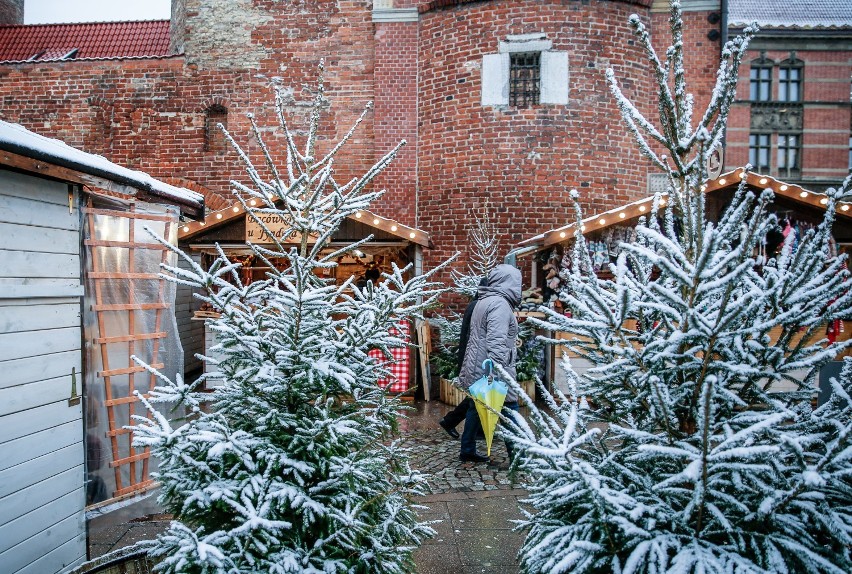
pixel 701 452
pixel 292 466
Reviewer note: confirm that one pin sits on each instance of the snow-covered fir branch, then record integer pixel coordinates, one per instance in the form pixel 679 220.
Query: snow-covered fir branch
pixel 290 465
pixel 692 444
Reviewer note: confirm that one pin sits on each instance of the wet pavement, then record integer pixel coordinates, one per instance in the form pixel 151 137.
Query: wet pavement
pixel 471 506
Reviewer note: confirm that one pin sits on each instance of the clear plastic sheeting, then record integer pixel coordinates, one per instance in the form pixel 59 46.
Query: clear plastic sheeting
pixel 129 312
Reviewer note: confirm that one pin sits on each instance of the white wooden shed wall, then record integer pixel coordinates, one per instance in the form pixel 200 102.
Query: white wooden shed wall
pixel 42 493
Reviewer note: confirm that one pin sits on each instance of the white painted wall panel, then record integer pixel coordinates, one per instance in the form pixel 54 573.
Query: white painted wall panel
pixel 36 317
pixel 30 396
pixel 42 494
pixel 26 448
pixel 22 512
pixel 32 264
pixel 39 368
pixel 69 555
pixel 53 536
pixel 41 239
pixel 26 422
pixel 40 468
pixel 37 213
pixel 25 186
pixel 32 343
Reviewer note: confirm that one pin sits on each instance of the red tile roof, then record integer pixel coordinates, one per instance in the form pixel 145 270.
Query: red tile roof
pixel 43 42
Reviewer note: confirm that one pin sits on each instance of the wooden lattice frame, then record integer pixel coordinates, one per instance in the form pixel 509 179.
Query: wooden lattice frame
pixel 137 481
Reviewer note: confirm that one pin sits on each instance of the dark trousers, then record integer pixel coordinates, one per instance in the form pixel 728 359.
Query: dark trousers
pixel 458 414
pixel 472 426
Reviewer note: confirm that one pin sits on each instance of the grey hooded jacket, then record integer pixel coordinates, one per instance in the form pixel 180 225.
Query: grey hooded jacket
pixel 493 327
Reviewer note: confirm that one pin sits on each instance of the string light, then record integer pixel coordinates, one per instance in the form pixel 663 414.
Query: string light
pixel 803 194
pixel 622 215
pixel 824 201
pixel 394 228
pixel 602 221
pixel 412 235
pixel 743 175
pixel 703 188
pixel 642 209
pixel 783 188
pixel 186 228
pixel 375 221
pixel 252 202
pixel 358 215
pixel 582 228
pixel 723 181
pixel 218 216
pixel 844 207
pixel 562 234
pixel 763 181
pixel 236 209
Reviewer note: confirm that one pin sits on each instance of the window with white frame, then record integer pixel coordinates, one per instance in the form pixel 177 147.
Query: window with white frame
pixel 789 146
pixel 760 82
pixel 758 152
pixel 790 81
pixel 525 72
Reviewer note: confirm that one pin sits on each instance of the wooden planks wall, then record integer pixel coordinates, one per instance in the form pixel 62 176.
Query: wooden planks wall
pixel 42 494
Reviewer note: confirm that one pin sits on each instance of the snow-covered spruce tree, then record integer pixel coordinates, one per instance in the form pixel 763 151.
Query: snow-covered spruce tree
pixel 483 257
pixel 483 254
pixel 293 468
pixel 695 455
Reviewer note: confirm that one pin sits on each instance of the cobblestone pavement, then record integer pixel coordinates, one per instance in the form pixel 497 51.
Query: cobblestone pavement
pixel 471 506
pixel 435 453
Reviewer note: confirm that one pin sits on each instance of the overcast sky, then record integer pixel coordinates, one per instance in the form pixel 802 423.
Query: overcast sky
pixel 56 11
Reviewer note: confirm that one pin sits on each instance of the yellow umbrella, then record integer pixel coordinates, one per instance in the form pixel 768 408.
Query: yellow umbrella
pixel 488 392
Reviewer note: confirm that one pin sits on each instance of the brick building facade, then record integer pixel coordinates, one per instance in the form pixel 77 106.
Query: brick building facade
pixel 422 64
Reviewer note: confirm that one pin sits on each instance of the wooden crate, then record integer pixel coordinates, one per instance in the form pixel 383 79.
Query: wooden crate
pixel 529 389
pixel 450 394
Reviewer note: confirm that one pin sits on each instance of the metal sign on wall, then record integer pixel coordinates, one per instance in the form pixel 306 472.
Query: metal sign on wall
pixel 277 226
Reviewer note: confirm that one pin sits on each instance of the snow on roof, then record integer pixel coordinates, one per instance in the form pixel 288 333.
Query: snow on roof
pixel 786 14
pixel 57 42
pixel 19 140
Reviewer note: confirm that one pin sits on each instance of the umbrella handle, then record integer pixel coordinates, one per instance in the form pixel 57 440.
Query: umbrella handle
pixel 489 364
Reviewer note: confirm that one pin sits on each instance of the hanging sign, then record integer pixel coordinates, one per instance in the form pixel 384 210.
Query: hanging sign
pixel 715 163
pixel 277 226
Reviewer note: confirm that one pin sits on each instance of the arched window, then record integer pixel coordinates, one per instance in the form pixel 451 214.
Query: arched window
pixel 214 139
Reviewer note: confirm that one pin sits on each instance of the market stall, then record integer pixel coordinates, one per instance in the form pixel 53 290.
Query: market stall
pixel 547 254
pixel 391 243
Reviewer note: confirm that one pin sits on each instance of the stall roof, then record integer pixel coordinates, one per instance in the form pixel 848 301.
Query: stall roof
pixel 29 151
pixel 217 218
pixel 636 209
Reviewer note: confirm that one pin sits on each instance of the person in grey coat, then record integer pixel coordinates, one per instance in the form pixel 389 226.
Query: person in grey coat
pixel 493 331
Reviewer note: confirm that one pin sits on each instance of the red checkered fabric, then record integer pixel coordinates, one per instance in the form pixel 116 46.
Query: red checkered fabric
pixel 400 364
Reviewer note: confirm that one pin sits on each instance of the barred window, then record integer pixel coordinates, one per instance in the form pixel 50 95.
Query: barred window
pixel 788 155
pixel 524 79
pixel 758 152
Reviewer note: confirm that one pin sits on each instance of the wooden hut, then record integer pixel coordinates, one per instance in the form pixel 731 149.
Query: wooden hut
pixel 795 206
pixel 70 230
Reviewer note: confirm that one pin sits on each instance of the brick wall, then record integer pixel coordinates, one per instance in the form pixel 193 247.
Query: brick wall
pixel 11 12
pixel 149 113
pixel 523 162
pixel 827 114
pixel 395 117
